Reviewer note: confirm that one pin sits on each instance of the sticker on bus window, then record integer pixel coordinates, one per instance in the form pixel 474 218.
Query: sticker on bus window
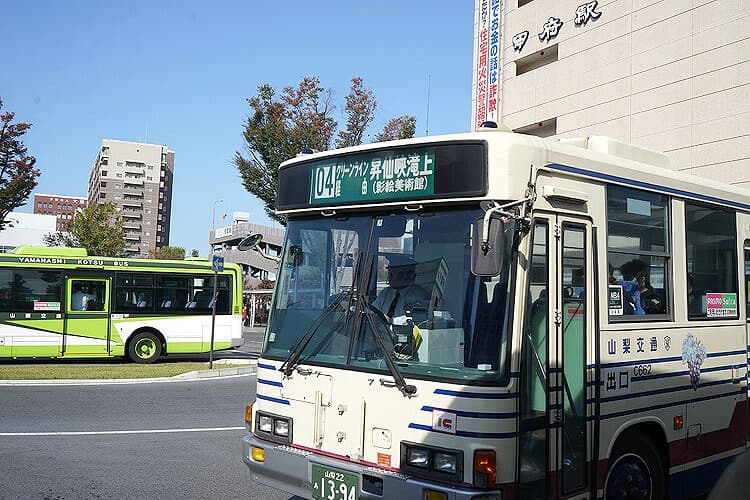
pixel 615 300
pixel 46 306
pixel 721 305
pixel 444 421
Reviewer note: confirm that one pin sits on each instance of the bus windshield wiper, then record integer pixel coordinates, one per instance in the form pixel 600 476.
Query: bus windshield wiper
pixel 294 355
pixel 407 390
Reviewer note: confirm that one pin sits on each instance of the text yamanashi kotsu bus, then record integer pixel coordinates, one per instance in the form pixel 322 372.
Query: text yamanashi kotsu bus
pixel 61 303
pixel 579 332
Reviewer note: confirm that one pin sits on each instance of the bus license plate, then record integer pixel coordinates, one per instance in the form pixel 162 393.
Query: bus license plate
pixel 333 484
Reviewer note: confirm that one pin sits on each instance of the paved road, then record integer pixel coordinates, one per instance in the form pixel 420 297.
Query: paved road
pixel 167 440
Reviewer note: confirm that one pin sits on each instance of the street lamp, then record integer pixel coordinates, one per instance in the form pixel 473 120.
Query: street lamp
pixel 213 224
pixel 213 214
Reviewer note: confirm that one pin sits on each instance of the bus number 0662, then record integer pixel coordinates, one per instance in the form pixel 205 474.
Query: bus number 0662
pixel 641 370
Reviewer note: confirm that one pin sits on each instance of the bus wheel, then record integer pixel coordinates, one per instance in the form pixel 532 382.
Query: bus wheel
pixel 144 348
pixel 636 471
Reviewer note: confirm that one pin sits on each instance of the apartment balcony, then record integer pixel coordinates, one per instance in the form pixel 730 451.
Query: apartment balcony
pixel 131 215
pixel 131 225
pixel 131 181
pixel 133 237
pixel 132 203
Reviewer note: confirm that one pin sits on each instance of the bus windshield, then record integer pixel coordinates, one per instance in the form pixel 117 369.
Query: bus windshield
pixel 404 277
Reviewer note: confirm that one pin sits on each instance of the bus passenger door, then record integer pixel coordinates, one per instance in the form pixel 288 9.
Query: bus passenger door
pixel 573 326
pixel 554 434
pixel 87 319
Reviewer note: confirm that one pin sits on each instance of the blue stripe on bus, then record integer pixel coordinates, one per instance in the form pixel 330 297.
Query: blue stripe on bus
pixel 654 361
pixel 270 382
pixel 267 367
pixel 475 395
pixel 676 403
pixel 273 400
pixel 642 362
pixel 485 435
pixel 680 373
pixel 662 391
pixel 647 185
pixel 473 414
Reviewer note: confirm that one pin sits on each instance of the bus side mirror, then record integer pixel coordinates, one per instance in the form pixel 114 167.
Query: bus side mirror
pixel 487 257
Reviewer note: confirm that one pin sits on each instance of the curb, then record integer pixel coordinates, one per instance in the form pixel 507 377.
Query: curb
pixel 251 368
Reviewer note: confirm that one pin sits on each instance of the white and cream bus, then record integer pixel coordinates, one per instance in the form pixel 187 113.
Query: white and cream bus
pixel 579 332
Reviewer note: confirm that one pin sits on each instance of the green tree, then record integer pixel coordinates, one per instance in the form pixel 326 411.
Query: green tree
pixel 97 228
pixel 167 253
pixel 194 253
pixel 360 111
pixel 277 129
pixel 18 177
pixel 402 127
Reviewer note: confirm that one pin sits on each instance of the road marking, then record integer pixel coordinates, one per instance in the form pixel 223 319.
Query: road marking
pixel 104 433
pixel 63 383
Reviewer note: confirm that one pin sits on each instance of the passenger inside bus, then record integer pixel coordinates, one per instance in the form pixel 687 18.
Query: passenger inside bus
pixel 81 297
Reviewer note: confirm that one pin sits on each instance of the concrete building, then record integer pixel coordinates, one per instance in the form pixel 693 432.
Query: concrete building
pixel 224 241
pixel 138 178
pixel 26 229
pixel 671 75
pixel 62 206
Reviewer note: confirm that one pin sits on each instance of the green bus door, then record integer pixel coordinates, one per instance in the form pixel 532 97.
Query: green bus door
pixel 87 319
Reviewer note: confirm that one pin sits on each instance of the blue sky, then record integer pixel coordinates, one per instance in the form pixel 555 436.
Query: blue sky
pixel 179 73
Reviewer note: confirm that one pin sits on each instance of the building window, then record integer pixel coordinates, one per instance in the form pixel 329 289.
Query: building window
pixel 104 173
pixel 102 195
pixel 711 237
pixel 119 174
pixel 536 60
pixel 545 128
pixel 638 252
pixel 105 150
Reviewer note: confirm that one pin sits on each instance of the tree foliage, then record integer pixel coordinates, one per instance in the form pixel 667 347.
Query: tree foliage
pixel 402 127
pixel 167 253
pixel 97 228
pixel 195 253
pixel 18 177
pixel 278 127
pixel 360 111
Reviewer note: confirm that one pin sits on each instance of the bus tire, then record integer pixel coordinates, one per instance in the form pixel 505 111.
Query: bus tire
pixel 636 470
pixel 144 347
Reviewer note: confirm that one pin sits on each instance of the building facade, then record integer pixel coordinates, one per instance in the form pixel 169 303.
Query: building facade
pixel 63 207
pixel 27 229
pixel 224 241
pixel 670 75
pixel 138 179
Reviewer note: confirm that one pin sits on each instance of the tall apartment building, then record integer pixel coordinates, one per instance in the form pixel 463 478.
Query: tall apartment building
pixel 671 75
pixel 138 179
pixel 62 206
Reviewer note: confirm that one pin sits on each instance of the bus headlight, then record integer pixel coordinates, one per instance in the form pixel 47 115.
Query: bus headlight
pixel 281 427
pixel 273 427
pixel 265 423
pixel 418 457
pixel 445 462
pixel 432 461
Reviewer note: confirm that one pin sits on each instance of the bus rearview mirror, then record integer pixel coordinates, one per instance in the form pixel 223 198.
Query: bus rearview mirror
pixel 487 257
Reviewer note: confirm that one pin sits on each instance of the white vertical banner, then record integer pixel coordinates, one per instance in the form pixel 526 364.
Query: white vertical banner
pixel 483 26
pixel 494 62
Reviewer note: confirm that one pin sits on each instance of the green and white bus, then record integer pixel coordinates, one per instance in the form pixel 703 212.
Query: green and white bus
pixel 62 303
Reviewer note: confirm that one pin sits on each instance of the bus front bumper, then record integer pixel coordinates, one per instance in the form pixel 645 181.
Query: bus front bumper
pixel 289 469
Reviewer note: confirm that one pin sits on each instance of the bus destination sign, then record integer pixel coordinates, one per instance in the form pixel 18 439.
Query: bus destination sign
pixel 388 175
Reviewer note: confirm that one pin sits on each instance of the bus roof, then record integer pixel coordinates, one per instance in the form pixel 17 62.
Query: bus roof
pixel 29 250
